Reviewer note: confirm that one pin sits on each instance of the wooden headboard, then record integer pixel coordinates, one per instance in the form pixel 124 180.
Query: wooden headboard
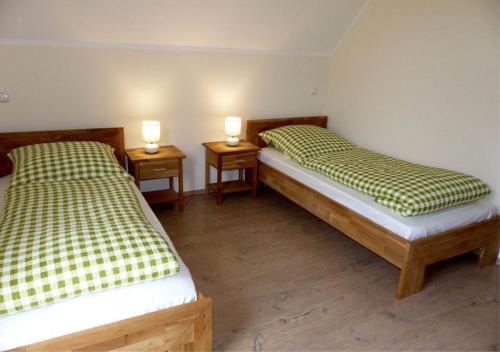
pixel 254 127
pixel 8 141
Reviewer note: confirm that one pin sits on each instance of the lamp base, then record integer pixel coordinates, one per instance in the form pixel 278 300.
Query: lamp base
pixel 233 141
pixel 151 148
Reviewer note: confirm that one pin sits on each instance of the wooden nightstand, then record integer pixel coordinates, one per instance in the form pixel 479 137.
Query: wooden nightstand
pixel 167 163
pixel 222 158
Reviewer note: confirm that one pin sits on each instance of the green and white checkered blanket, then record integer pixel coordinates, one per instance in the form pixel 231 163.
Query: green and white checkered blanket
pixel 408 189
pixel 301 142
pixel 63 161
pixel 65 239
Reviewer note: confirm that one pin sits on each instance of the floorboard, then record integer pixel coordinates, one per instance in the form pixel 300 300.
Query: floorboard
pixel 282 280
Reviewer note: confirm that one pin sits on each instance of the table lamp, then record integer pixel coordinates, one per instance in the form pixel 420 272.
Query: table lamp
pixel 151 135
pixel 233 130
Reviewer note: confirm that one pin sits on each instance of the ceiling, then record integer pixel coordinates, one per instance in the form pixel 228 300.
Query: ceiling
pixel 289 26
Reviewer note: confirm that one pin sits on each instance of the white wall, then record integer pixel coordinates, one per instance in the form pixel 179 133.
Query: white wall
pixel 189 92
pixel 419 80
pixel 414 79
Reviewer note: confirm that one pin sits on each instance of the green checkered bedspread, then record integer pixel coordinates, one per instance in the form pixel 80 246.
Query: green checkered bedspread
pixel 65 239
pixel 408 189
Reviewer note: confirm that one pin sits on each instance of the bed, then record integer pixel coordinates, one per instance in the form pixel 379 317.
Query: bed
pixel 164 314
pixel 409 243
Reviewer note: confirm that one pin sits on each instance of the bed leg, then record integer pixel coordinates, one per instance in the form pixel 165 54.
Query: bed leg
pixel 489 253
pixel 411 279
pixel 203 331
pixel 197 334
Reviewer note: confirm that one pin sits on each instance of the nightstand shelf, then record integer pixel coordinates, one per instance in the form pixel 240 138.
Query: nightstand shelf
pixel 161 196
pixel 166 164
pixel 222 157
pixel 231 186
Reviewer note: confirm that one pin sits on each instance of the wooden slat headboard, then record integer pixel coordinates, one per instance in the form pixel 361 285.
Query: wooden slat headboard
pixel 8 141
pixel 254 127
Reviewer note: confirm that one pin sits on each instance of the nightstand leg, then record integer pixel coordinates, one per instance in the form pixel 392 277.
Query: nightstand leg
pixel 207 171
pixel 255 178
pixel 240 171
pixel 219 181
pixel 137 175
pixel 171 182
pixel 181 187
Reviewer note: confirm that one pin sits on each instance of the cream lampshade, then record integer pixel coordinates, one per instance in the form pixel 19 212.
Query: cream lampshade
pixel 233 130
pixel 151 135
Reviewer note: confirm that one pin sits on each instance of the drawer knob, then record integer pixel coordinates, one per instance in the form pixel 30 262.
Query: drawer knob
pixel 160 169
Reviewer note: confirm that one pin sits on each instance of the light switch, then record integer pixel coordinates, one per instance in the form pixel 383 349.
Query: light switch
pixel 4 97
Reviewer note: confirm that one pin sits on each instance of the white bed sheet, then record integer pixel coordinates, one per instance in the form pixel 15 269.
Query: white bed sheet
pixel 91 310
pixel 411 228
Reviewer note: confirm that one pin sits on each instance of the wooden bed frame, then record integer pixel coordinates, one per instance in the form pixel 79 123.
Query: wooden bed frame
pixel 186 327
pixel 411 257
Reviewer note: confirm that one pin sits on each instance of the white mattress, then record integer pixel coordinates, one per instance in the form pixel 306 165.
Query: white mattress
pixel 411 228
pixel 99 308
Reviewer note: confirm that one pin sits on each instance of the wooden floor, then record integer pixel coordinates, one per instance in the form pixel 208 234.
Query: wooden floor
pixel 283 280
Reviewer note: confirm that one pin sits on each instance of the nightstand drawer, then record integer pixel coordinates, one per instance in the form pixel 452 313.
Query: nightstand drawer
pixel 159 169
pixel 238 161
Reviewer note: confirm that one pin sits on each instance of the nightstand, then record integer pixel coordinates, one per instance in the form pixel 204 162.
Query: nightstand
pixel 167 163
pixel 223 157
